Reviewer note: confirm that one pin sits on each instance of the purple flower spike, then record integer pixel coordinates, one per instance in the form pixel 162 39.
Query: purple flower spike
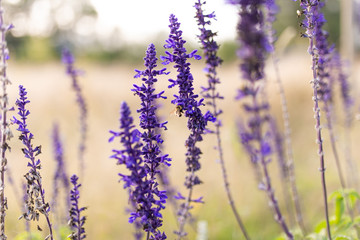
pixel 68 60
pixel 255 131
pixel 141 181
pixel 60 176
pixel 148 119
pixel 186 104
pixel 35 204
pixel 152 141
pixel 322 55
pixel 211 94
pixel 77 221
pixel 210 48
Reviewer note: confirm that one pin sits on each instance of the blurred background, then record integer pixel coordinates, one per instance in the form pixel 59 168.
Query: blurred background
pixel 109 39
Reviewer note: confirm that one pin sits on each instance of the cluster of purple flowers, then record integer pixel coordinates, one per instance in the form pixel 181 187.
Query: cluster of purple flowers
pixel 324 60
pixel 213 61
pixel 256 134
pixel 68 60
pixel 143 192
pixel 60 176
pixel 186 103
pixel 142 154
pixel 35 204
pixel 77 221
pixel 141 151
pixel 152 156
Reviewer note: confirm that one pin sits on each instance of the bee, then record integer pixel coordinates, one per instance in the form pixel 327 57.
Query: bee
pixel 299 13
pixel 178 111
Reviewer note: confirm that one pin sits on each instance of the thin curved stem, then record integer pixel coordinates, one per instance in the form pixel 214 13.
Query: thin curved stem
pixel 267 181
pixel 4 125
pixel 289 151
pixel 333 145
pixel 185 211
pixel 322 168
pixel 225 176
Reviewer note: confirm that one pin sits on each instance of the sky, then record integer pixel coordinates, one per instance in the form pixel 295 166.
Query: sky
pixel 141 20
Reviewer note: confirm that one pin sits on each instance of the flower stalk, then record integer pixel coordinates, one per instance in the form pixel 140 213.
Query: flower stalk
pixel 255 133
pixel 289 171
pixel 312 24
pixel 146 211
pixel 77 221
pixel 211 94
pixel 5 133
pixel 35 203
pixel 186 104
pixel 68 60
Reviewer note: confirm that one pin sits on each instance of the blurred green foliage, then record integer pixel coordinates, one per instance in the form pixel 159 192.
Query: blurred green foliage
pixel 35 49
pixel 32 49
pixel 27 235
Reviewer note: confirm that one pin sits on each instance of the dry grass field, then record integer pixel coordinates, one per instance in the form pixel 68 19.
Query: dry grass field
pixel 106 86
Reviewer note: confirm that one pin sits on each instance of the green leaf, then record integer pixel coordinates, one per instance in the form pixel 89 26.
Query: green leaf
pixel 353 192
pixel 336 194
pixel 339 208
pixel 321 225
pixel 343 237
pixel 280 238
pixel 353 197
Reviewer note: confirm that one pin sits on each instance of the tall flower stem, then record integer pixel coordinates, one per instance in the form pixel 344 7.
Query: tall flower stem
pixel 186 104
pixel 318 51
pixel 210 48
pixel 35 204
pixel 142 160
pixel 255 133
pixel 227 184
pixel 77 221
pixel 149 122
pixel 266 183
pixel 5 131
pixel 288 146
pixel 272 10
pixel 333 144
pixel 347 102
pixel 68 60
pixel 60 175
pixel 322 169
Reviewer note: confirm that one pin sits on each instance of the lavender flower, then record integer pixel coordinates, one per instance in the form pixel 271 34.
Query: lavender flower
pixel 163 174
pixel 68 60
pixel 318 49
pixel 255 134
pixel 345 86
pixel 151 152
pixel 289 178
pixel 35 204
pixel 148 119
pixel 210 48
pixel 339 75
pixel 77 221
pixel 186 103
pixel 5 134
pixel 143 192
pixel 60 176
